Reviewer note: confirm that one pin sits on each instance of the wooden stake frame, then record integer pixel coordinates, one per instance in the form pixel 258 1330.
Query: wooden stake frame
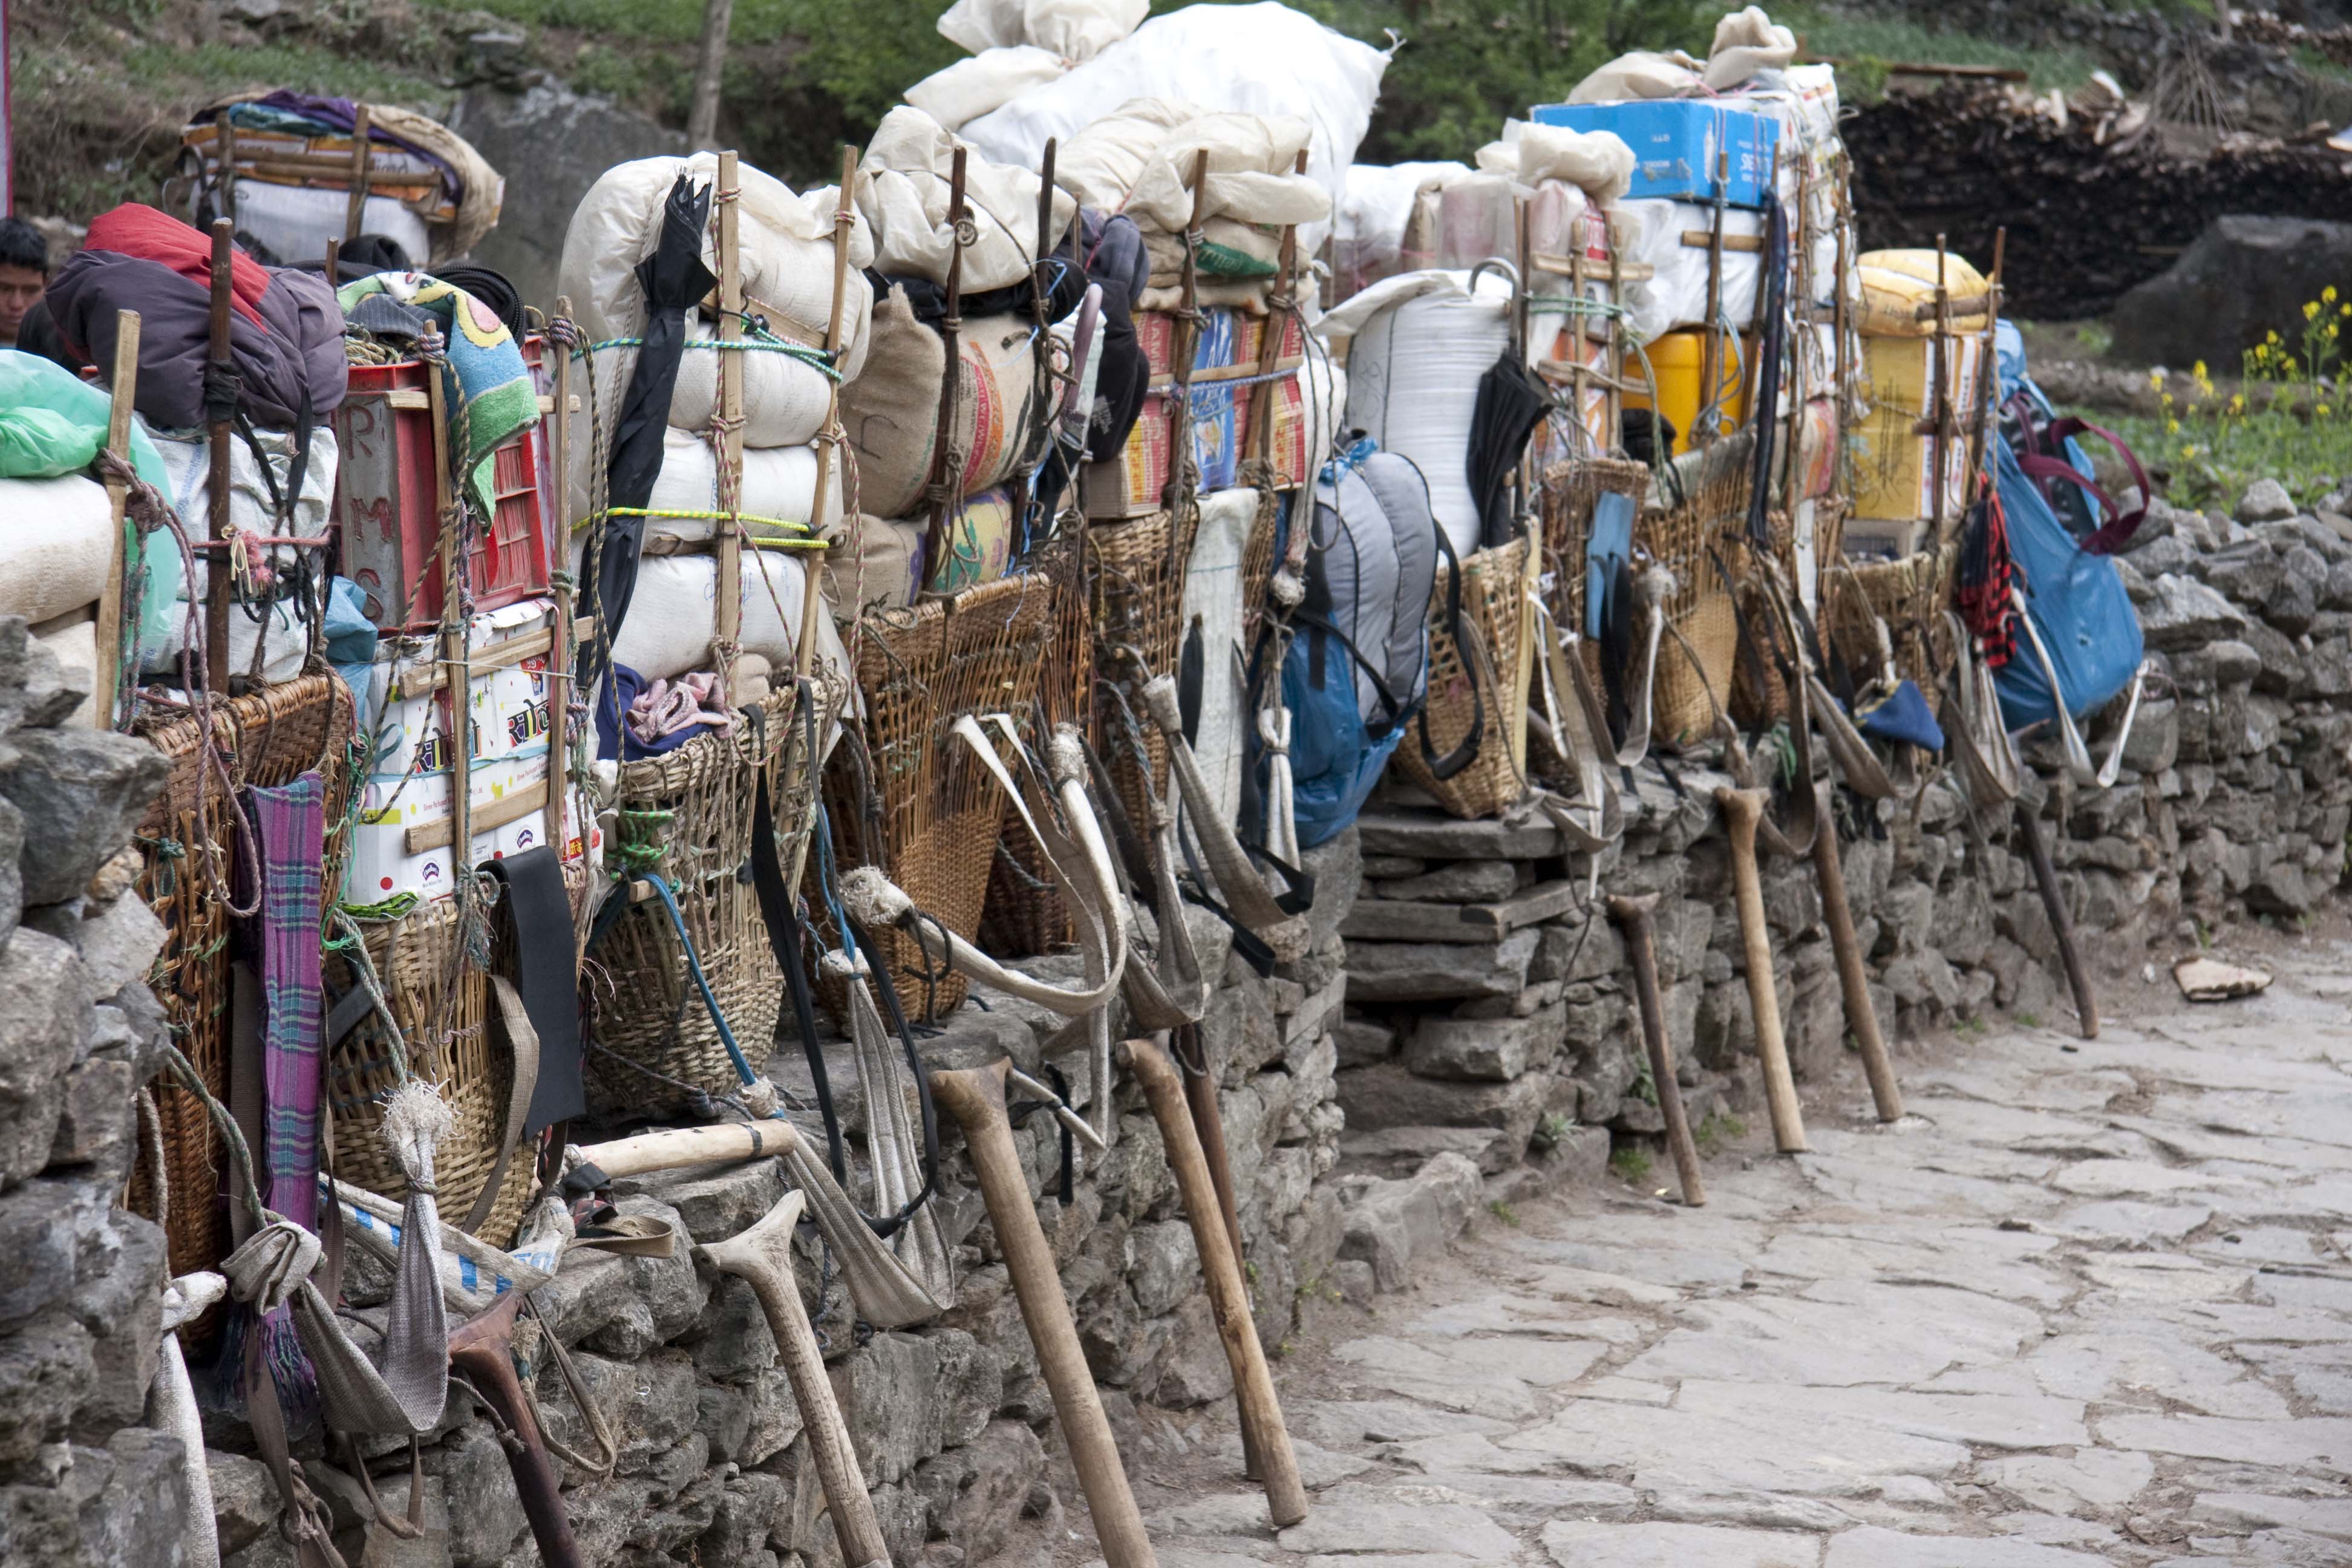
pixel 124 391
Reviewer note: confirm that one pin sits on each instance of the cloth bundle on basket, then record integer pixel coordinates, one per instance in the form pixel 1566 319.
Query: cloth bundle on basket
pixel 925 812
pixel 687 816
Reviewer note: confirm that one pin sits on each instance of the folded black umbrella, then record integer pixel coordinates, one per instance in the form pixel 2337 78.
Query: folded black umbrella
pixel 1512 401
pixel 673 278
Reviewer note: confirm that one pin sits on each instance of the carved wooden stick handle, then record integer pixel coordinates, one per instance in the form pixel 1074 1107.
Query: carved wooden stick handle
pixel 1852 979
pixel 854 1523
pixel 2061 924
pixel 1261 1411
pixel 975 1098
pixel 1634 915
pixel 1742 809
pixel 484 1351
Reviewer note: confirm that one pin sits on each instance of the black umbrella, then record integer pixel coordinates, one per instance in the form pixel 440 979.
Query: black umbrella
pixel 1512 401
pixel 673 278
pixel 1768 388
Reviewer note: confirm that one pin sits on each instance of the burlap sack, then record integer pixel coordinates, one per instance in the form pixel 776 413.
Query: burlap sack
pixel 891 409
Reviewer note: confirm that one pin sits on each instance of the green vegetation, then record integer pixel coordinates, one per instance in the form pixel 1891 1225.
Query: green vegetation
pixel 1718 1130
pixel 1865 45
pixel 1504 1212
pixel 1551 1131
pixel 1631 1162
pixel 2290 419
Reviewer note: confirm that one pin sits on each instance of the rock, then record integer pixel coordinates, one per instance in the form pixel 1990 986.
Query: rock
pixel 1162 1267
pixel 1337 865
pixel 1463 882
pixel 2293 603
pixel 971 1384
pixel 1376 1098
pixel 1421 972
pixel 46 1367
pixel 44 1014
pixel 1391 1223
pixel 2266 501
pixel 1498 1049
pixel 2285 890
pixel 1522 833
pixel 2243 277
pixel 2187 615
pixel 993 1478
pixel 744 1513
pixel 1361 1042
pixel 895 1421
pixel 87 789
pixel 552 145
pixel 714 1202
pixel 1193 1370
pixel 2233 663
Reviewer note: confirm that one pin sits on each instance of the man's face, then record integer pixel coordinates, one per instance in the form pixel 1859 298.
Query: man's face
pixel 19 287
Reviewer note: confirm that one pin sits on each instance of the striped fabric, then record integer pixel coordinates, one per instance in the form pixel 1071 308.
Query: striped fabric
pixel 288 825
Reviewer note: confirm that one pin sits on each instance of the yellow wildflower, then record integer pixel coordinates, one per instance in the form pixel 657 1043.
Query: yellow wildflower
pixel 2172 427
pixel 2323 411
pixel 2311 310
pixel 2327 295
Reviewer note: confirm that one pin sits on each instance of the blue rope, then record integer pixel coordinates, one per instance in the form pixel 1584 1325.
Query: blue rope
pixel 694 967
pixel 824 880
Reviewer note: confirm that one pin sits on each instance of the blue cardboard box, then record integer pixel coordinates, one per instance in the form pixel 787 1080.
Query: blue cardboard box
pixel 1680 144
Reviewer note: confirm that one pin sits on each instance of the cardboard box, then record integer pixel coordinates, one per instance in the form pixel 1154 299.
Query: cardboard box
pixel 1223 397
pixel 381 865
pixel 1901 372
pixel 1681 144
pixel 1895 472
pixel 508 706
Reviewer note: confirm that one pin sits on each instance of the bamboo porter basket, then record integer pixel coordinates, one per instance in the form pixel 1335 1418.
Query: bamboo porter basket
pixel 1024 914
pixel 686 815
pixel 980 651
pixel 1565 502
pixel 1688 541
pixel 1910 595
pixel 270 737
pixel 1492 687
pixel 1137 573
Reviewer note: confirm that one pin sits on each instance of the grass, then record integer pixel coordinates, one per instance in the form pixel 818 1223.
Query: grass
pixel 1632 1164
pixel 1868 44
pixel 1504 1212
pixel 1718 1130
pixel 2291 419
pixel 1551 1131
pixel 2030 1020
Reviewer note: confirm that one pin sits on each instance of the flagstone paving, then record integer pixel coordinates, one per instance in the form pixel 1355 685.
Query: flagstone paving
pixel 2089 1303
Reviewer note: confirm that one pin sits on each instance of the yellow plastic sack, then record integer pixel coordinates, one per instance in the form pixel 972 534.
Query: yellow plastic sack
pixel 1898 294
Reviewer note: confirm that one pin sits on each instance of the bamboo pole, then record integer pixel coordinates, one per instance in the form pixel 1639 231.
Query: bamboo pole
pixel 844 217
pixel 559 648
pixel 946 485
pixel 362 160
pixel 124 390
pixel 220 564
pixel 728 630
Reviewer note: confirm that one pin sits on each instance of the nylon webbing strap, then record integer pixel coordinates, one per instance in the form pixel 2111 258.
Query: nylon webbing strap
pixel 545 967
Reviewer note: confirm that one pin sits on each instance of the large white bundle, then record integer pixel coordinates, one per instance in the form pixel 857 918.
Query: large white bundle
pixel 1368 227
pixel 1417 346
pixel 1139 161
pixel 904 183
pixel 188 456
pixel 1073 29
pixel 1265 59
pixel 1639 75
pixel 55 551
pixel 1597 162
pixel 784 398
pixel 672 614
pixel 296 221
pixel 1212 612
pixel 778 482
pixel 1674 294
pixel 1747 42
pixel 988 80
pixel 784 243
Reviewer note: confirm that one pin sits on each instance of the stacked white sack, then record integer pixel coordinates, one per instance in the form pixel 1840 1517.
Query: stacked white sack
pixel 1376 208
pixel 1017 47
pixel 1262 60
pixel 1416 346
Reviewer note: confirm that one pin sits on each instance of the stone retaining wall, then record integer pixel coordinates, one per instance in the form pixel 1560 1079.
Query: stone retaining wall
pixel 1460 1027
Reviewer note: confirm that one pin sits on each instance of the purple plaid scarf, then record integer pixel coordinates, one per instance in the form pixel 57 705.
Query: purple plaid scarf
pixel 289 831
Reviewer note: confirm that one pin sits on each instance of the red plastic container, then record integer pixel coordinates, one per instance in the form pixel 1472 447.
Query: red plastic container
pixel 385 512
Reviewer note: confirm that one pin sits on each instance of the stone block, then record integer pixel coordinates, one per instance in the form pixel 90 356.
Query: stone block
pixel 1338 866
pixel 1461 882
pixel 715 1202
pixel 44 1015
pixel 1521 833
pixel 46 1368
pixel 1391 1223
pixel 2187 615
pixel 1385 1097
pixel 117 1276
pixel 1193 1370
pixel 1498 1049
pixel 994 1476
pixel 1421 972
pixel 1163 1266
pixel 889 1393
pixel 87 789
pixel 1362 1042
pixel 95 1119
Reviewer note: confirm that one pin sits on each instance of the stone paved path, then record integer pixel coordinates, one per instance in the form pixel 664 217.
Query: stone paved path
pixel 2090 1303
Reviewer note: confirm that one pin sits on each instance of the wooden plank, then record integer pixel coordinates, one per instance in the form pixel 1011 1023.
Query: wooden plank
pixel 1626 271
pixel 499 656
pixel 441 830
pixel 728 624
pixel 355 204
pixel 1386 920
pixel 1700 239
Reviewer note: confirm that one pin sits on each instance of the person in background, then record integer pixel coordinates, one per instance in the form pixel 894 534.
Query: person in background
pixel 23 273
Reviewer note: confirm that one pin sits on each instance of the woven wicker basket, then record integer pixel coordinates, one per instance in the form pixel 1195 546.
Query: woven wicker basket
pixel 1491 688
pixel 1694 681
pixel 1137 571
pixel 1910 595
pixel 981 652
pixel 442 1005
pixel 1024 914
pixel 269 738
pixel 688 813
pixel 1565 502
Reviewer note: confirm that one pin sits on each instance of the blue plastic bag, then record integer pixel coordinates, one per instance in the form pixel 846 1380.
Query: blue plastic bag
pixel 2078 604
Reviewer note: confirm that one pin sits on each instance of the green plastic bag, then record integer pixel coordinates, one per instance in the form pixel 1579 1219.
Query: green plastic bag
pixel 52 423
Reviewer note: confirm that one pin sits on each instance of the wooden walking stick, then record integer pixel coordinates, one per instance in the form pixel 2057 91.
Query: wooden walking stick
pixel 1853 981
pixel 1742 809
pixel 220 563
pixel 2045 876
pixel 726 645
pixel 1633 915
pixel 1261 1412
pixel 482 1350
pixel 1208 1117
pixel 764 1255
pixel 975 1098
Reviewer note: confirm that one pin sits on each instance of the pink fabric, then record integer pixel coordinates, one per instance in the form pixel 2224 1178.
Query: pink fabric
pixel 670 706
